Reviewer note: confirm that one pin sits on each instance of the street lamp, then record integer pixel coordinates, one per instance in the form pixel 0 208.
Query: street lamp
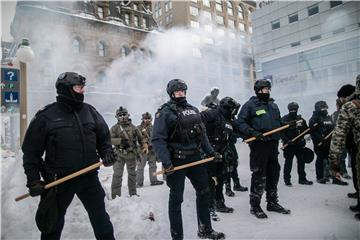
pixel 24 54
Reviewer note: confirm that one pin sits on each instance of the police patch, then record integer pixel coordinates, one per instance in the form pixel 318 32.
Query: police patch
pixel 260 112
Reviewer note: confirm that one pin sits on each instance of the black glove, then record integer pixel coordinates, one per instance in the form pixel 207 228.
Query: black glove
pixel 217 156
pixel 258 135
pixel 109 159
pixel 292 123
pixel 125 144
pixel 36 188
pixel 168 170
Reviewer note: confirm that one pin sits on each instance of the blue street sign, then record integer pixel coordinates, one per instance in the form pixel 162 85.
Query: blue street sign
pixel 10 74
pixel 11 97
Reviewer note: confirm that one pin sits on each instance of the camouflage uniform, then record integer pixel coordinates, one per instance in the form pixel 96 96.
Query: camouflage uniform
pixel 349 120
pixel 126 150
pixel 150 157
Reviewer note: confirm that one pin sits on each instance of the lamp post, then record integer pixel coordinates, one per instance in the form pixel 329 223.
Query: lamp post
pixel 24 54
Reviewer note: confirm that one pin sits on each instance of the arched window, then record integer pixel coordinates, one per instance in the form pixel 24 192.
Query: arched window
pixel 230 9
pixel 101 49
pixel 241 12
pixel 124 51
pixel 101 76
pixel 76 45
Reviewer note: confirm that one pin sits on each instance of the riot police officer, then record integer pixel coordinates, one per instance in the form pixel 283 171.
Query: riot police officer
pixel 294 148
pixel 258 115
pixel 72 134
pixel 178 137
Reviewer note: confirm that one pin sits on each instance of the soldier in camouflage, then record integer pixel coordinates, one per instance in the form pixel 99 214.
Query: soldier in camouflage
pixel 146 128
pixel 126 138
pixel 348 121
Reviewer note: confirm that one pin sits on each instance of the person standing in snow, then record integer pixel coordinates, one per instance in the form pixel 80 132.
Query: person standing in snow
pixel 73 135
pixel 178 137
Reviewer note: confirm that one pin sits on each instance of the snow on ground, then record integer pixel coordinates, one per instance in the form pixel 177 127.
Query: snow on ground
pixel 318 211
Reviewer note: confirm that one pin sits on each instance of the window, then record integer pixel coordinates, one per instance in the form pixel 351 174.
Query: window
pixel 250 30
pixel 196 52
pixel 136 21
pixel 230 9
pixel 231 24
pixel 207 15
pixel 127 18
pixel 101 49
pixel 241 27
pixel 145 23
pixel 100 12
pixel 124 51
pixel 314 9
pixel 293 17
pixel 160 12
pixel 275 24
pixel 194 11
pixel 294 44
pixel 168 5
pixel 220 19
pixel 136 6
pixel 335 3
pixel 208 28
pixel 241 12
pixel 219 5
pixel 206 3
pixel 315 37
pixel 168 18
pixel 76 46
pixel 101 77
pixel 194 24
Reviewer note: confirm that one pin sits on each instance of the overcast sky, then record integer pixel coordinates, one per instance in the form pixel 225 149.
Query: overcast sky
pixel 7 14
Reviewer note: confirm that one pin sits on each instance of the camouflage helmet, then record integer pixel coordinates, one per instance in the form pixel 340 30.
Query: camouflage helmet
pixel 261 83
pixel 320 105
pixel 293 106
pixel 121 111
pixel 69 79
pixel 146 115
pixel 175 85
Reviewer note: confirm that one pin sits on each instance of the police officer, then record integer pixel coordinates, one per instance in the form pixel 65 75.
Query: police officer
pixel 146 130
pixel 73 135
pixel 126 138
pixel 294 148
pixel 178 137
pixel 321 126
pixel 219 129
pixel 258 115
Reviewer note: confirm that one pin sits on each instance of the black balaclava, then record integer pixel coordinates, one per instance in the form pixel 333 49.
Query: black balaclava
pixel 263 96
pixel 67 95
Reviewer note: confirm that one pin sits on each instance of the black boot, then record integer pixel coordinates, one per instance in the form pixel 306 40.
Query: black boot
pixel 339 182
pixel 211 235
pixel 276 207
pixel 352 195
pixel 357 216
pixel 305 182
pixel 228 191
pixel 157 182
pixel 257 212
pixel 221 207
pixel 321 181
pixel 238 187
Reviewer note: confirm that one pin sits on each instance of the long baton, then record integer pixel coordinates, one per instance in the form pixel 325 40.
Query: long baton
pixel 325 138
pixel 299 136
pixel 64 179
pixel 272 131
pixel 186 165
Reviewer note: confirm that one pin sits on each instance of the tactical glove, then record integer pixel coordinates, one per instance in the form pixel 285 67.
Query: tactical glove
pixel 169 170
pixel 258 135
pixel 292 123
pixel 217 156
pixel 36 188
pixel 109 159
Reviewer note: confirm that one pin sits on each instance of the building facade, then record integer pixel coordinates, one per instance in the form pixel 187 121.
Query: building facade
pixel 308 49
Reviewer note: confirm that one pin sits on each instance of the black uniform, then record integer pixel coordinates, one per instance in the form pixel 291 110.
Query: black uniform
pixel 318 133
pixel 178 136
pixel 73 135
pixel 294 148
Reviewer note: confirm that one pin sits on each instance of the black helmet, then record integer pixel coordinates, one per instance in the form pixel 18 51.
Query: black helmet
pixel 320 105
pixel 69 79
pixel 176 85
pixel 293 106
pixel 229 103
pixel 146 115
pixel 121 111
pixel 346 90
pixel 261 83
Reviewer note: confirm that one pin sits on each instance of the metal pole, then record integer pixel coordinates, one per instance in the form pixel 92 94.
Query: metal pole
pixel 23 101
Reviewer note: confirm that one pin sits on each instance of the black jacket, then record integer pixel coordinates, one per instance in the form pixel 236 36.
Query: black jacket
pixel 258 116
pixel 71 140
pixel 294 131
pixel 178 127
pixel 319 132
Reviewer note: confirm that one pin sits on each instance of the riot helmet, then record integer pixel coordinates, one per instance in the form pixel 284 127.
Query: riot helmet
pixel 175 85
pixel 229 106
pixel 64 88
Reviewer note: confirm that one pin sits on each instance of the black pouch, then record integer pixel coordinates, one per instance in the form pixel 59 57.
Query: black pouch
pixel 47 214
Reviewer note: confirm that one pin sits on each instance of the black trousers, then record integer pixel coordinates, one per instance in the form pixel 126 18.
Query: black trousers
pixel 176 182
pixel 289 153
pixel 91 194
pixel 353 153
pixel 265 169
